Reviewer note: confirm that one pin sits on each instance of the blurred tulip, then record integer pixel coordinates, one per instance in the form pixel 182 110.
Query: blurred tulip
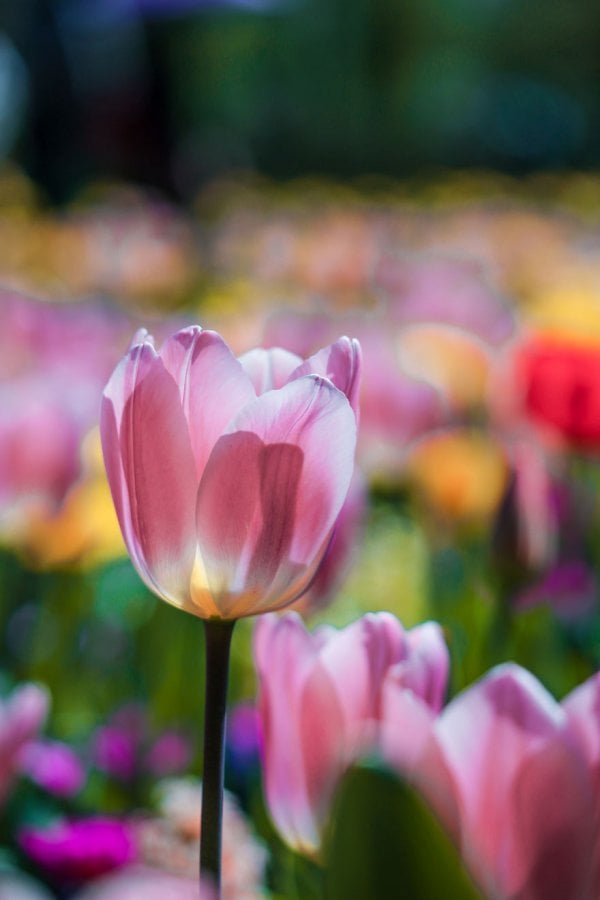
pixel 521 795
pixel 321 702
pixel 54 767
pixel 77 851
pixel 582 707
pixel 22 716
pixel 39 446
pixel 226 499
pixel 557 382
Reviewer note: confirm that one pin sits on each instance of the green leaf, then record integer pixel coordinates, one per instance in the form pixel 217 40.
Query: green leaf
pixel 385 842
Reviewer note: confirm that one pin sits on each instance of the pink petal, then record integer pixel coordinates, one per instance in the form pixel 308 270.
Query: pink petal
pixel 425 671
pixel 325 756
pixel 357 658
pixel 284 654
pixel 406 727
pixel 269 369
pixel 486 734
pixel 341 362
pixel 150 470
pixel 271 493
pixel 212 385
pixel 551 823
pixel 582 707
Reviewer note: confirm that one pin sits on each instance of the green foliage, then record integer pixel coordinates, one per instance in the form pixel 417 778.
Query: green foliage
pixel 385 842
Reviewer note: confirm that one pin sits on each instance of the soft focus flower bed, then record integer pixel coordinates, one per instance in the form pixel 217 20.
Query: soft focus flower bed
pixel 425 721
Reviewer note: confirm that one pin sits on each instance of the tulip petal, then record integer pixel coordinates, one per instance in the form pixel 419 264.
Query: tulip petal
pixel 324 755
pixel 426 670
pixel 151 471
pixel 284 655
pixel 341 362
pixel 356 659
pixel 212 385
pixel 583 711
pixel 270 369
pixel 486 734
pixel 270 494
pixel 552 812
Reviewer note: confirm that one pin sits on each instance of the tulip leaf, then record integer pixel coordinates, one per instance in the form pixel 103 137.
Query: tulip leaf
pixel 385 842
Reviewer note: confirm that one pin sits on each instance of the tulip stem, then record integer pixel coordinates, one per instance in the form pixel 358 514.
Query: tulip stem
pixel 217 635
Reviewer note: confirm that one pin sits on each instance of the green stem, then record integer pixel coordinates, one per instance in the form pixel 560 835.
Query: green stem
pixel 217 643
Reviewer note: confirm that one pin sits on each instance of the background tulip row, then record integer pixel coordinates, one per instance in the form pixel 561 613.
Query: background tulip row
pixel 462 576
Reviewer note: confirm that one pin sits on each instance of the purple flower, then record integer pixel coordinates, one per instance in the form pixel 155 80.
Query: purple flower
pixel 54 767
pixel 79 850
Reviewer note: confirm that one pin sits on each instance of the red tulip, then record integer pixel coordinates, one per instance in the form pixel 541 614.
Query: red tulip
pixel 559 384
pixel 228 475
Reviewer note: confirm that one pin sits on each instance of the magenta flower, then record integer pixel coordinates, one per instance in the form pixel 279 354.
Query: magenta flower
pixel 21 718
pixel 228 475
pixel 322 700
pixel 54 767
pixel 77 851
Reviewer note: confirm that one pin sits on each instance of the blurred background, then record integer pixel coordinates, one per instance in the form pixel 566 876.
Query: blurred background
pixel 171 93
pixel 421 175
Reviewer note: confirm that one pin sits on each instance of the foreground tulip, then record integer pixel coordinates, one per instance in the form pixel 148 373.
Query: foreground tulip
pixel 322 700
pixel 228 477
pixel 513 774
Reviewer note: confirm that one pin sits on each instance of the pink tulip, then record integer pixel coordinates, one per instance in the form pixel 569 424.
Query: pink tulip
pixel 504 766
pixel 341 551
pixel 582 707
pixel 321 699
pixel 228 475
pixel 39 444
pixel 22 716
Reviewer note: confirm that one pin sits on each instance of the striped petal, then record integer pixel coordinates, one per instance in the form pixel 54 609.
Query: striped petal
pixel 151 471
pixel 270 494
pixel 341 362
pixel 212 385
